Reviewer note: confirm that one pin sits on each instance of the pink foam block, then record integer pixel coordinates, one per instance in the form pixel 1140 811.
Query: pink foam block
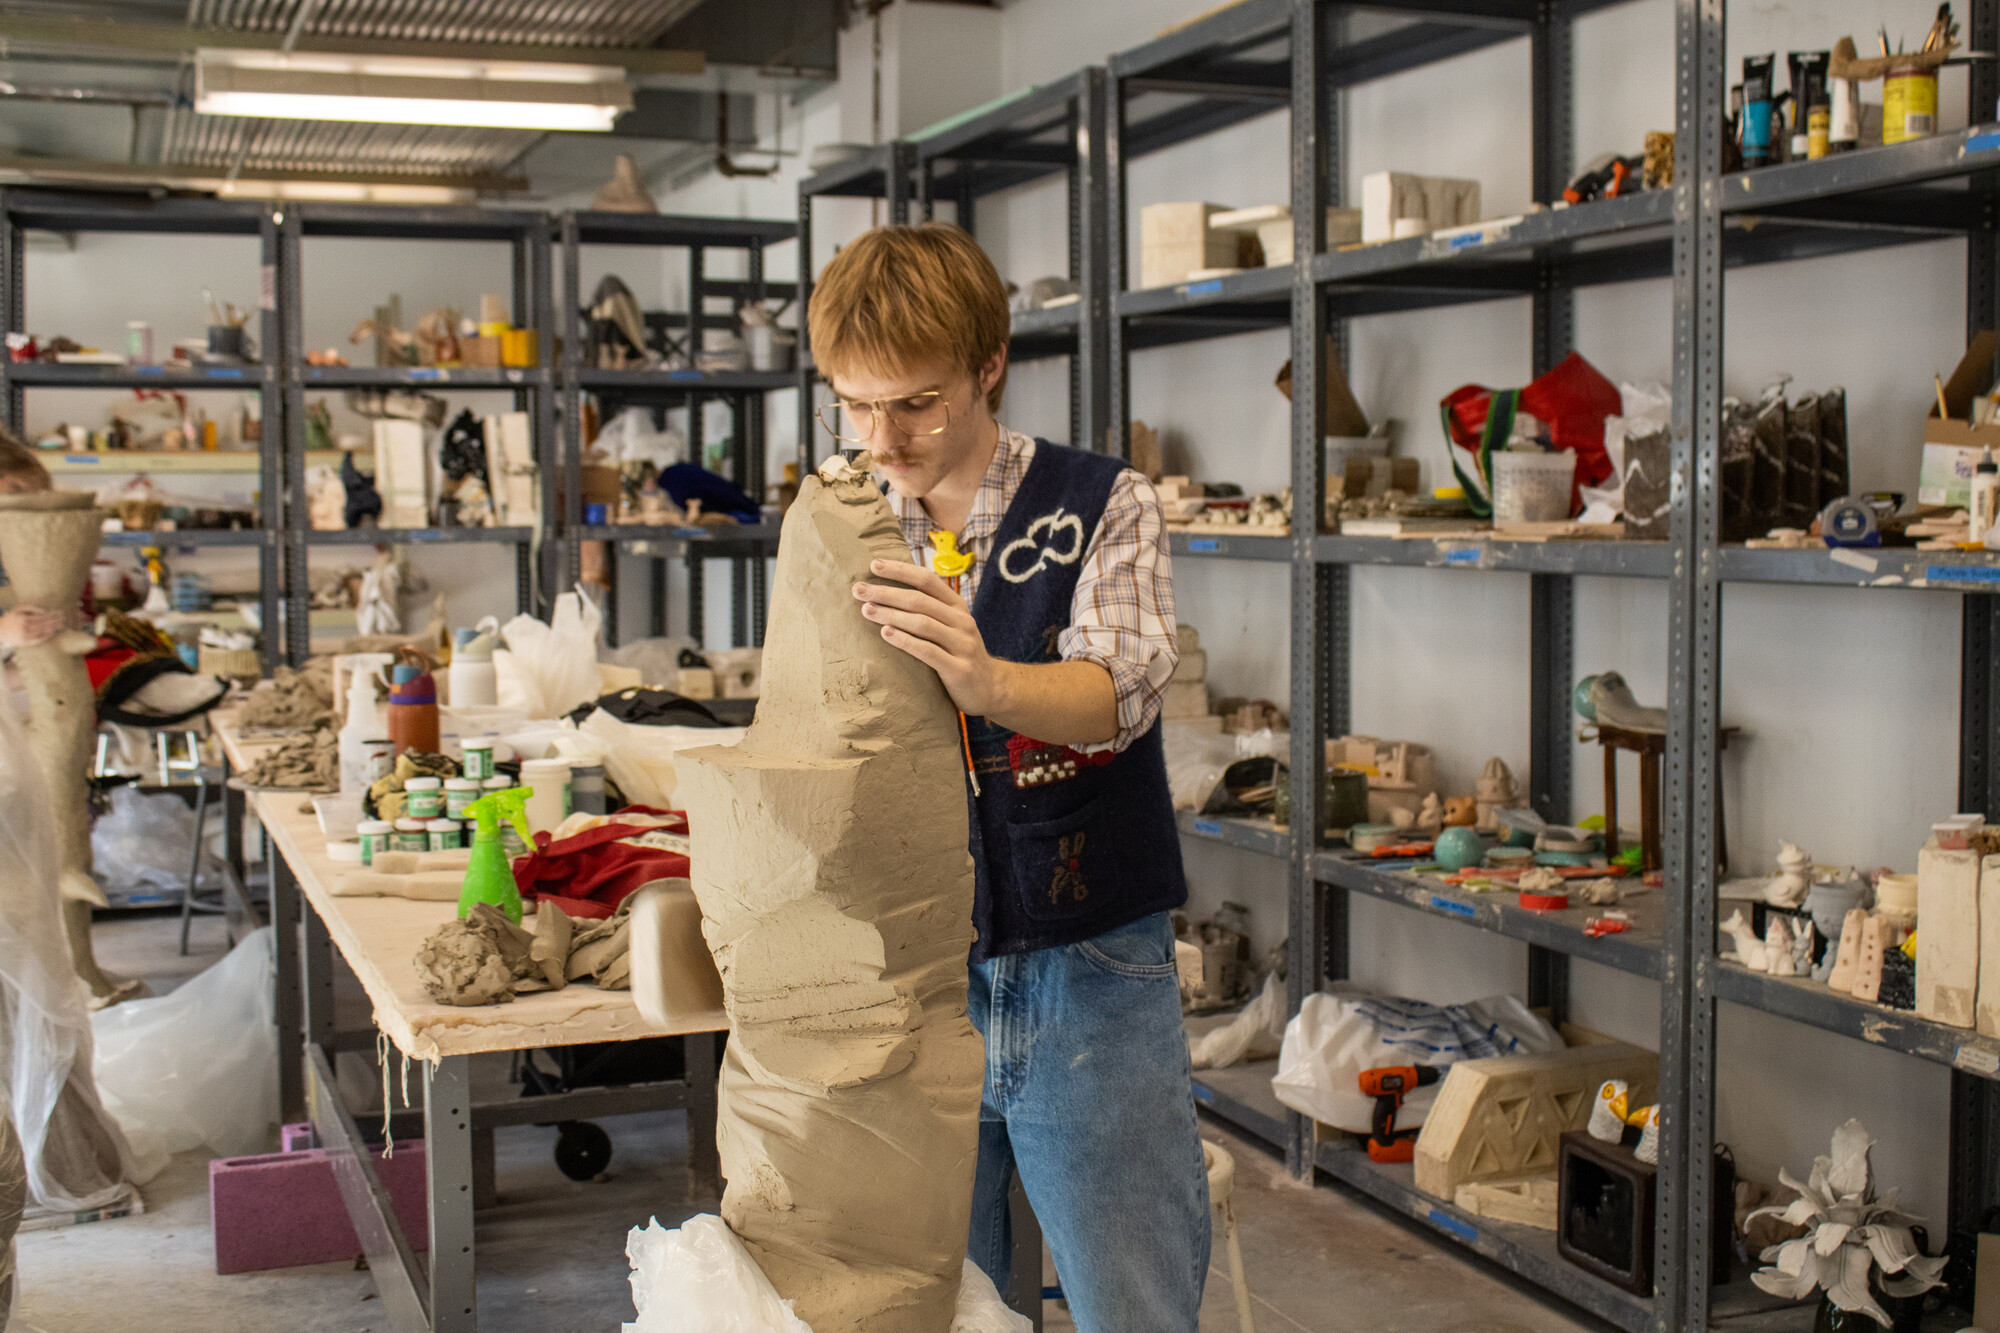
pixel 285 1209
pixel 297 1138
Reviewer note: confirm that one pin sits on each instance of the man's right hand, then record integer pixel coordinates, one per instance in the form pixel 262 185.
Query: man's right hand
pixel 27 626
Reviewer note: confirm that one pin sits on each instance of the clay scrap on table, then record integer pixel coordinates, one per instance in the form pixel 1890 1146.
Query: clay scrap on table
pixel 835 887
pixel 308 763
pixel 299 700
pixel 483 958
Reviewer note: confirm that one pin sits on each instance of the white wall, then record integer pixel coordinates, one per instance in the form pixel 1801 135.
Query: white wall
pixel 1847 702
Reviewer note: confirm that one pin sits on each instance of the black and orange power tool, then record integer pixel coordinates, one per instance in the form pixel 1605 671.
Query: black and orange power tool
pixel 1388 1085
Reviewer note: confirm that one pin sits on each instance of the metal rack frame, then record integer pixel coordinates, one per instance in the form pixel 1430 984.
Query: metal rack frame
pixel 746 549
pixel 1263 54
pixel 65 211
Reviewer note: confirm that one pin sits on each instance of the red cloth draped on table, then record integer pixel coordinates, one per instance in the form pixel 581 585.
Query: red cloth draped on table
pixel 590 873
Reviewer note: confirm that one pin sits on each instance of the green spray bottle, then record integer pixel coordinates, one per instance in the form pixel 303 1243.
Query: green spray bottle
pixel 489 876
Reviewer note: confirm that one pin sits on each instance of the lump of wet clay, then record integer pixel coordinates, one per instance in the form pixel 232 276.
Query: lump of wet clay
pixel 835 886
pixel 477 959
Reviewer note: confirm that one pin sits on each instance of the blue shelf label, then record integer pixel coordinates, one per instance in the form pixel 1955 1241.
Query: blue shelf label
pixel 426 535
pixel 1209 288
pixel 1202 1094
pixel 1204 544
pixel 218 373
pixel 1983 143
pixel 1469 556
pixel 426 373
pixel 684 374
pixel 1453 906
pixel 1208 828
pixel 85 460
pixel 1962 574
pixel 1471 238
pixel 149 370
pixel 1446 1222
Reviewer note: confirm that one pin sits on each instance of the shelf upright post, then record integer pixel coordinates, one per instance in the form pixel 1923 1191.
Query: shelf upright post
pixel 562 471
pixel 900 181
pixel 1117 352
pixel 1090 401
pixel 804 356
pixel 297 609
pixel 13 314
pixel 1314 130
pixel 1552 597
pixel 534 287
pixel 1694 632
pixel 274 487
pixel 1974 1171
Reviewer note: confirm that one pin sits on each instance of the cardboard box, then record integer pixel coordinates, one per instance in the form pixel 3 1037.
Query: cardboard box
pixel 1430 202
pixel 1952 444
pixel 483 353
pixel 1176 240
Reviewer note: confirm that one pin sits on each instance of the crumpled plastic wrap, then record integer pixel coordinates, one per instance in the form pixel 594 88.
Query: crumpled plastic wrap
pixel 143 843
pixel 698 1278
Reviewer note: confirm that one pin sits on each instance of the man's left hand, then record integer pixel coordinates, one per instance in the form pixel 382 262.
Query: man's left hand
pixel 932 623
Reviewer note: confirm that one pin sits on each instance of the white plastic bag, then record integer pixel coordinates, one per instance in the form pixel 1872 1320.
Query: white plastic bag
pixel 640 759
pixel 699 1278
pixel 1644 408
pixel 198 1066
pixel 143 844
pixel 1195 761
pixel 549 669
pixel 1258 1029
pixel 630 438
pixel 1335 1037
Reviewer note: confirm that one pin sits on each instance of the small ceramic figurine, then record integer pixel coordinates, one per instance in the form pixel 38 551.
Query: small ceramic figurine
pixel 1607 1112
pixel 1794 877
pixel 1778 947
pixel 1847 960
pixel 1829 905
pixel 1752 952
pixel 1461 811
pixel 1648 1149
pixel 1802 947
pixel 1430 815
pixel 1868 973
pixel 1494 792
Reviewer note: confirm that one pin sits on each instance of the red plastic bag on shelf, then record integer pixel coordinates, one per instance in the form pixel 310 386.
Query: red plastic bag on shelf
pixel 1572 400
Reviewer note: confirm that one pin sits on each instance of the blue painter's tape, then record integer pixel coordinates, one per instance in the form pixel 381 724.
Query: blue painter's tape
pixel 1446 1222
pixel 1983 143
pixel 1204 544
pixel 1962 574
pixel 425 535
pixel 1208 828
pixel 218 373
pixel 149 370
pixel 684 374
pixel 1202 1094
pixel 1470 238
pixel 90 460
pixel 1469 556
pixel 426 373
pixel 1209 288
pixel 1453 906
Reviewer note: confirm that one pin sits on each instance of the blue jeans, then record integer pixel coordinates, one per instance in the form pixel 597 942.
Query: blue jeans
pixel 1088 1097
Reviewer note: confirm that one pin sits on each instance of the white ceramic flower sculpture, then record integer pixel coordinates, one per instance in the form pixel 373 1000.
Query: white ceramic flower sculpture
pixel 1852 1236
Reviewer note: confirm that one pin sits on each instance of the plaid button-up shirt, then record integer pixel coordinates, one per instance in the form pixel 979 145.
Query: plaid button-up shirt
pixel 1122 616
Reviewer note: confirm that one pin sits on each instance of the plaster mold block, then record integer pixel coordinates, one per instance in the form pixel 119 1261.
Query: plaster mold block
pixel 835 887
pixel 1988 1017
pixel 1948 934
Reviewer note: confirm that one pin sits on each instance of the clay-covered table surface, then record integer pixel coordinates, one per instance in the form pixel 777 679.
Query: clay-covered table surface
pixel 379 939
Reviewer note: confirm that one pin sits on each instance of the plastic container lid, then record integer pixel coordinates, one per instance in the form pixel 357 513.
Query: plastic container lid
pixel 424 784
pixel 544 765
pixel 498 782
pixel 374 826
pixel 410 825
pixel 404 674
pixel 442 825
pixel 459 784
pixel 476 743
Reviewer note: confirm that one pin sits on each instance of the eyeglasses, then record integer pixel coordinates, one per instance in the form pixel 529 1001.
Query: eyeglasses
pixel 856 422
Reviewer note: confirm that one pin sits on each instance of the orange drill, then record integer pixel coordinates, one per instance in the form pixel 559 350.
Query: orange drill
pixel 1388 1085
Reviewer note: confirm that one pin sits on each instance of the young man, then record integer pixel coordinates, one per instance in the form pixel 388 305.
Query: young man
pixel 1057 647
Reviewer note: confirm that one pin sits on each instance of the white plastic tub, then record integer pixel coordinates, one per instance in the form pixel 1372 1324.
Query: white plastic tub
pixel 1532 487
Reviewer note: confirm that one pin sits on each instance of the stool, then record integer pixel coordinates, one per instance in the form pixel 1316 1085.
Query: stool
pixel 1221 1185
pixel 1651 747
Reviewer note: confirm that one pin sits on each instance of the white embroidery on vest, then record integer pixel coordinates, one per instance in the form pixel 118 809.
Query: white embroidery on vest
pixel 1053 524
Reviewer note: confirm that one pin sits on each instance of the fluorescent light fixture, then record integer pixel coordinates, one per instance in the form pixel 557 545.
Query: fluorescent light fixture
pixel 396 90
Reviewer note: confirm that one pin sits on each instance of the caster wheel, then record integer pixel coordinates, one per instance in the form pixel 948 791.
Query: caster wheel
pixel 582 1149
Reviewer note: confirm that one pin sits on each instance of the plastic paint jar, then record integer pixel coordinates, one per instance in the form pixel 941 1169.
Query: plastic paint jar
pixel 412 835
pixel 423 798
pixel 550 805
pixel 1909 105
pixel 477 762
pixel 586 788
pixel 459 793
pixel 374 835
pixel 444 835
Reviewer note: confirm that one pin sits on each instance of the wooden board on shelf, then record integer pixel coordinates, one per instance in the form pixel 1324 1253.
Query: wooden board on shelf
pixel 1229 530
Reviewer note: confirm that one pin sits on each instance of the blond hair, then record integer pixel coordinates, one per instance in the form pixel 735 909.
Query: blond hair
pixel 18 460
pixel 899 297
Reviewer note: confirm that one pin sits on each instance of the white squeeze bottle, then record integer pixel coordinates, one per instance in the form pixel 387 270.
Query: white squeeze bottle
pixel 472 681
pixel 363 720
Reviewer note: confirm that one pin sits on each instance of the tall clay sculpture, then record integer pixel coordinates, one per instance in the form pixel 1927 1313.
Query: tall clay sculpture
pixel 835 886
pixel 47 541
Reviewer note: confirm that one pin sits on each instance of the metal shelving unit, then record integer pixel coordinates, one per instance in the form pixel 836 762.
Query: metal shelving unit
pixel 62 211
pixel 1265 54
pixel 746 548
pixel 528 234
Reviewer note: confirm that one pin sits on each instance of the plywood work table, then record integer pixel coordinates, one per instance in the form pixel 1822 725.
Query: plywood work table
pixel 378 938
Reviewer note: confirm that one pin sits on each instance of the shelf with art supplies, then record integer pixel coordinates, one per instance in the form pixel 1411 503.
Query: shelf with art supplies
pixel 444 345
pixel 747 349
pixel 225 355
pixel 156 429
pixel 209 610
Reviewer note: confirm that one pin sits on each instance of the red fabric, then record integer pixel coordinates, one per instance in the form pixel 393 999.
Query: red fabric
pixel 1572 400
pixel 590 874
pixel 103 662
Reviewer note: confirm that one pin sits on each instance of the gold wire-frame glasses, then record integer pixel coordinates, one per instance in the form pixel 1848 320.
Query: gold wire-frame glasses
pixel 854 421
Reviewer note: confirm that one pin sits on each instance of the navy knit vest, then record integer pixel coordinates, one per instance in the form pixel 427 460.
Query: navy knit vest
pixel 1067 845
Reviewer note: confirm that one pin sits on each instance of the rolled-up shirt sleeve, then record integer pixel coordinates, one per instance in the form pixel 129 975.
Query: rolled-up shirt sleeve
pixel 1122 616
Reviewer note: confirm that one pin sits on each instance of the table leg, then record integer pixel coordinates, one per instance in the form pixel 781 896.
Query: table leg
pixel 1024 1282
pixel 704 1162
pixel 485 1173
pixel 1610 801
pixel 316 964
pixel 448 1171
pixel 232 826
pixel 289 1004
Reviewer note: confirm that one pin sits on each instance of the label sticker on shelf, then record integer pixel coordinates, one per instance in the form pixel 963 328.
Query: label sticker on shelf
pixel 1468 556
pixel 1209 288
pixel 1963 573
pixel 1202 1094
pixel 1977 1060
pixel 224 373
pixel 1446 1222
pixel 1456 908
pixel 149 370
pixel 1983 143
pixel 1204 544
pixel 1208 828
pixel 83 460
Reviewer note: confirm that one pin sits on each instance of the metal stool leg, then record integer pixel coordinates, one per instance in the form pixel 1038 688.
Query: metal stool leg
pixel 194 866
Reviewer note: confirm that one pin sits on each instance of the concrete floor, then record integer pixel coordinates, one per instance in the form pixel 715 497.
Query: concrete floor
pixel 551 1254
